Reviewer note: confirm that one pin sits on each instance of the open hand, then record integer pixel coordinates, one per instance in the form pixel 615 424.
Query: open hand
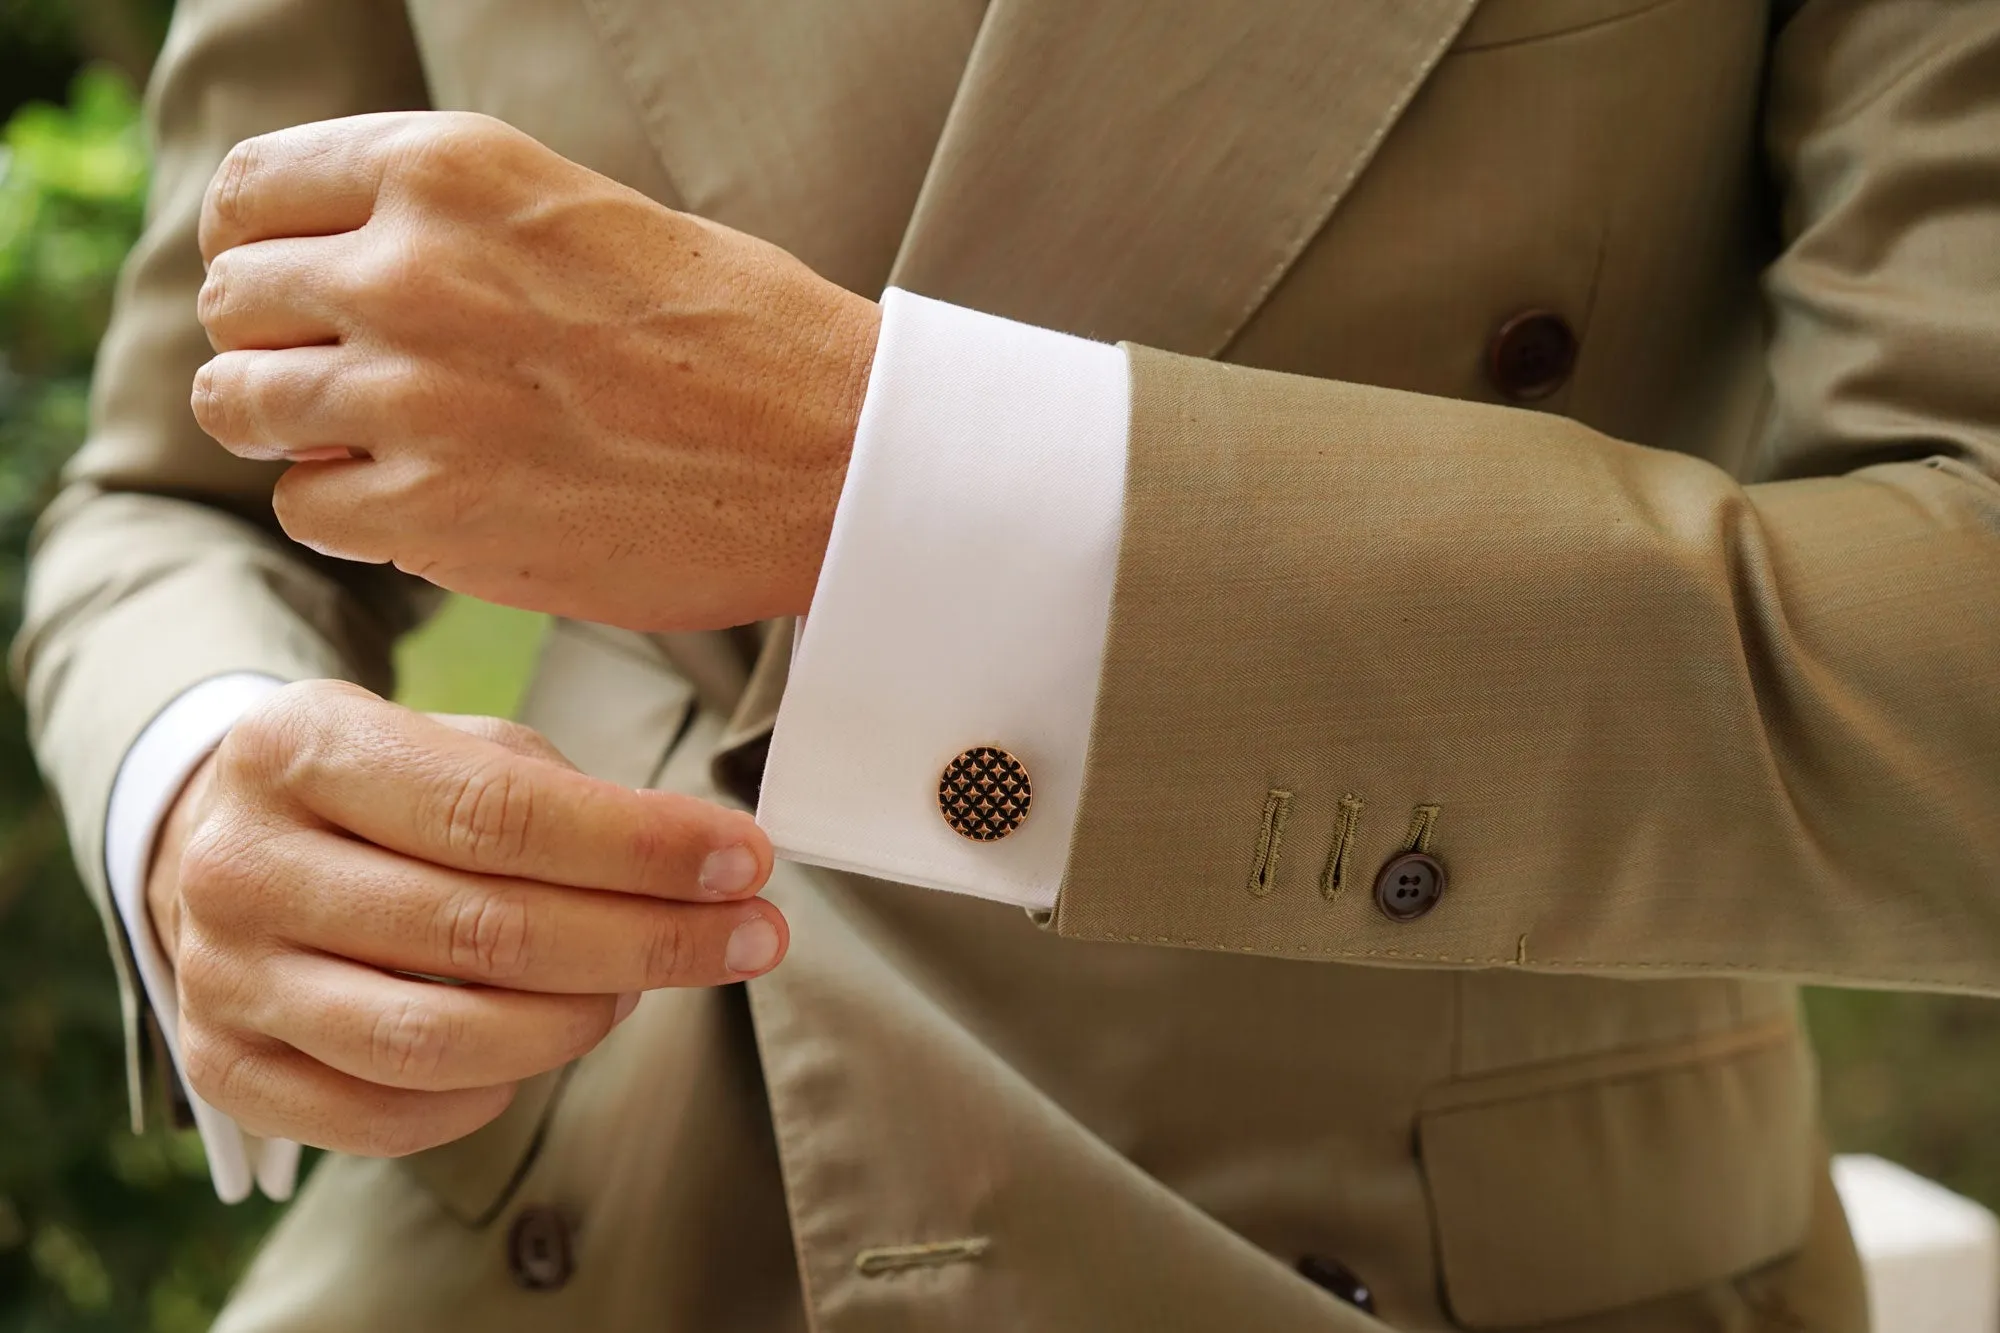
pixel 339 850
pixel 521 380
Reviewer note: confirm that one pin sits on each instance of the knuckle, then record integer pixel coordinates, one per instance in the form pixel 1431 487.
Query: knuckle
pixel 298 517
pixel 221 984
pixel 266 746
pixel 392 274
pixel 327 693
pixel 659 852
pixel 287 743
pixel 489 935
pixel 197 977
pixel 423 146
pixel 390 394
pixel 514 736
pixel 669 951
pixel 230 870
pixel 212 302
pixel 409 1042
pixel 212 871
pixel 317 393
pixel 202 1060
pixel 433 148
pixel 217 399
pixel 399 286
pixel 232 179
pixel 404 392
pixel 480 129
pixel 490 815
pixel 661 841
pixel 499 731
pixel 216 1066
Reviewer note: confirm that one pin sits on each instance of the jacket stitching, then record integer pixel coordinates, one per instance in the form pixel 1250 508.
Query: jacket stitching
pixel 1423 821
pixel 1270 840
pixel 1345 827
pixel 881 1260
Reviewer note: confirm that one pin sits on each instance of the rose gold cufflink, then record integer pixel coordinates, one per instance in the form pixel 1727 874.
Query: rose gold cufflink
pixel 984 794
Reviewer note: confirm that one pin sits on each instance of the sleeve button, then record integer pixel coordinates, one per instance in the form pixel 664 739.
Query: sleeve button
pixel 1409 886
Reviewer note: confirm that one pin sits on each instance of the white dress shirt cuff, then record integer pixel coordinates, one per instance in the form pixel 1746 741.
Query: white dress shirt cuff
pixel 151 776
pixel 963 602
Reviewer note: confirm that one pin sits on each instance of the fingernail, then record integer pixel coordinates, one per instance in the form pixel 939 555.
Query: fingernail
pixel 626 1004
pixel 728 872
pixel 753 946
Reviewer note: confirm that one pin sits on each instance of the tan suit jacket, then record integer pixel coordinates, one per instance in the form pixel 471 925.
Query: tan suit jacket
pixel 1696 666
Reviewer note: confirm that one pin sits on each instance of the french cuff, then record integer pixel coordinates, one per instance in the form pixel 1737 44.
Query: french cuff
pixel 172 745
pixel 935 722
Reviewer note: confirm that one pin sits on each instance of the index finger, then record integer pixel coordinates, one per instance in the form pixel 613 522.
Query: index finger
pixel 308 180
pixel 416 786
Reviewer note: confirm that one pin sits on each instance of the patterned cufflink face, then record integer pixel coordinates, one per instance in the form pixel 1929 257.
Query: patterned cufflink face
pixel 984 794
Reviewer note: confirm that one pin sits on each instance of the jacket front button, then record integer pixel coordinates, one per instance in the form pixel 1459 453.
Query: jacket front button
pixel 538 1249
pixel 1338 1278
pixel 1409 886
pixel 1531 355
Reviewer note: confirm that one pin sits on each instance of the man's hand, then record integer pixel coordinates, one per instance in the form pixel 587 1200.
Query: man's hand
pixel 338 850
pixel 524 381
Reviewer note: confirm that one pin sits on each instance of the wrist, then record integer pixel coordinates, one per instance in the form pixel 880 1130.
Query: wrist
pixel 851 336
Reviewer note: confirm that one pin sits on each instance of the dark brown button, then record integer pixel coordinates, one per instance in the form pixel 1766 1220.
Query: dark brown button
pixel 1339 1279
pixel 538 1249
pixel 1409 886
pixel 984 794
pixel 1531 355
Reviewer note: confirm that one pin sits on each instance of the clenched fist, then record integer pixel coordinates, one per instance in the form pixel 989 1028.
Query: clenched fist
pixel 340 854
pixel 521 380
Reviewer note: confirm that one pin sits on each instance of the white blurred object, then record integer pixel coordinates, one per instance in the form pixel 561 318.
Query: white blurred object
pixel 1932 1257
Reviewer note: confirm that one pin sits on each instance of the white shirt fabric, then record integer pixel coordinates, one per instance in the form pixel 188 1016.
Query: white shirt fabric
pixel 963 602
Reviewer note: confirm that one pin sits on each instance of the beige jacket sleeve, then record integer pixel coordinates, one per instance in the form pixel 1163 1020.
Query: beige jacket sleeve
pixel 158 565
pixel 1669 722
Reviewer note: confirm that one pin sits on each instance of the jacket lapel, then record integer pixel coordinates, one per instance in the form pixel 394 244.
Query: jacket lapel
pixel 1132 169
pixel 806 123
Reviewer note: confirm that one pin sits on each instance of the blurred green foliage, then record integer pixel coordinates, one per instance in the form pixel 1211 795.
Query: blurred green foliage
pixel 102 1230
pixel 72 188
pixel 98 1229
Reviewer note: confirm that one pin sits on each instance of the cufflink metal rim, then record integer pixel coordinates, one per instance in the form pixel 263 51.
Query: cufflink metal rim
pixel 985 793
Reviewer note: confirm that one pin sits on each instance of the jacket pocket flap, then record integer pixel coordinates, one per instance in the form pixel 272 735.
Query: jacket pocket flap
pixel 1633 1178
